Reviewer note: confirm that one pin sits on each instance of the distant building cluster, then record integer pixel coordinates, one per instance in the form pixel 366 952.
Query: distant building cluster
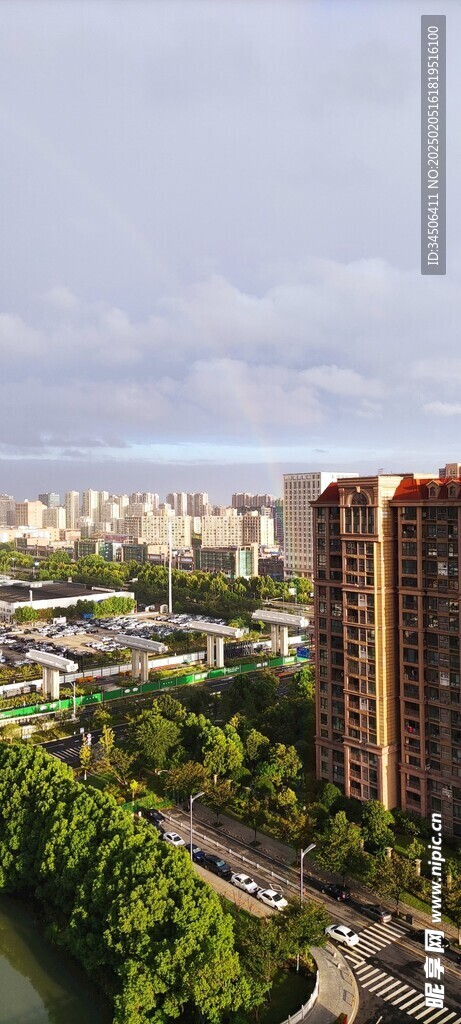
pixel 139 527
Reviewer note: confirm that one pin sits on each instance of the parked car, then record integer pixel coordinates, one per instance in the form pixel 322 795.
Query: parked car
pixel 247 884
pixel 417 934
pixel 151 814
pixel 198 855
pixel 272 899
pixel 173 839
pixel 337 892
pixel 341 933
pixel 377 913
pixel 217 865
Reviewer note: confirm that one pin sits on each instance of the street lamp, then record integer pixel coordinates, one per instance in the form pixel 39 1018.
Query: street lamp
pixel 303 854
pixel 191 804
pixel 301 884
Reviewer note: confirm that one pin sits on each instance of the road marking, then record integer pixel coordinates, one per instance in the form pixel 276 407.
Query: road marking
pixel 414 999
pixel 420 1011
pixel 400 991
pixel 381 984
pixel 371 980
pixel 398 1000
pixel 365 972
pixel 433 1017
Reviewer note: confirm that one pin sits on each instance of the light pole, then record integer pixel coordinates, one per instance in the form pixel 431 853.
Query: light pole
pixel 191 804
pixel 301 882
pixel 301 885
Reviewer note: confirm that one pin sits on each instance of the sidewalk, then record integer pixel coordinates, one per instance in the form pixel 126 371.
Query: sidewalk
pixel 338 992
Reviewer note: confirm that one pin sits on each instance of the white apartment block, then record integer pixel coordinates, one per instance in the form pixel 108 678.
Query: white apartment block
pixel 55 517
pixel 299 489
pixel 222 531
pixel 72 507
pixel 153 529
pixel 257 529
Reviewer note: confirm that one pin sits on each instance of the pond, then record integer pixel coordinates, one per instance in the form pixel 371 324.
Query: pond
pixel 38 983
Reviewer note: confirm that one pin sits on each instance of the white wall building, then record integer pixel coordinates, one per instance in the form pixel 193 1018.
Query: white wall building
pixel 299 489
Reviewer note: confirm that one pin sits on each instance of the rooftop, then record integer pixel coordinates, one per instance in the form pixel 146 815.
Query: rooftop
pixel 48 590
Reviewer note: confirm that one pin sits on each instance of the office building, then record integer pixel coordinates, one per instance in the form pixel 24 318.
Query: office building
pixel 299 490
pixel 50 499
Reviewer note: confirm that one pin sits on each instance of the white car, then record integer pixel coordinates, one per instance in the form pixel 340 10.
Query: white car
pixel 245 883
pixel 343 934
pixel 173 839
pixel 272 899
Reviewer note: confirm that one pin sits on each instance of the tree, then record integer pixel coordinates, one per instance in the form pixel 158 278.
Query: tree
pixel 26 614
pixel 392 877
pixel 304 926
pixel 154 737
pixel 84 756
pixel 339 847
pixel 452 903
pixel 186 779
pixel 376 822
pixel 218 796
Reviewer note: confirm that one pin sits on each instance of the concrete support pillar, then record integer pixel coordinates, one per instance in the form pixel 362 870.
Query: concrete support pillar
pixel 51 683
pixel 210 651
pixel 219 652
pixel 274 640
pixel 144 659
pixel 135 664
pixel 283 634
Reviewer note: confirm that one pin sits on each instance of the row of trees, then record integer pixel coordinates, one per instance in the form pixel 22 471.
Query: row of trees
pixel 204 593
pixel 127 906
pixel 130 908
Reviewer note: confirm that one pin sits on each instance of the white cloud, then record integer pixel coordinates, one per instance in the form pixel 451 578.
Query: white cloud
pixel 61 299
pixel 443 408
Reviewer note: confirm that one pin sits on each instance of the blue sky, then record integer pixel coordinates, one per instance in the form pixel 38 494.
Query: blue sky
pixel 210 244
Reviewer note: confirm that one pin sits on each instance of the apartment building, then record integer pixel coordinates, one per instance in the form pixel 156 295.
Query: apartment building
pixel 29 513
pixel 299 490
pixel 72 507
pixel 222 531
pixel 387 626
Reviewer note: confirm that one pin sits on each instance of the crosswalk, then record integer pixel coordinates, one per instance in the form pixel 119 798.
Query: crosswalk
pixel 402 996
pixel 372 941
pixel 392 990
pixel 71 755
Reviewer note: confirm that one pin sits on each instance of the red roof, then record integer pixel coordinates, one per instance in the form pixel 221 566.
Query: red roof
pixel 417 489
pixel 330 496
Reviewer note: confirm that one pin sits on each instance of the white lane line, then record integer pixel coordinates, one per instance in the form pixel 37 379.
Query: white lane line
pixel 433 1016
pixel 399 992
pixel 366 972
pixel 411 1001
pixel 395 1002
pixel 396 985
pixel 380 988
pixel 373 981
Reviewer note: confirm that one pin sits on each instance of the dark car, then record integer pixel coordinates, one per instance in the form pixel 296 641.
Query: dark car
pixel 341 893
pixel 152 815
pixel 417 934
pixel 377 913
pixel 217 865
pixel 197 854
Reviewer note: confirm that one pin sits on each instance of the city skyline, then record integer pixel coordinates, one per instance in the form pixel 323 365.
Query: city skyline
pixel 189 285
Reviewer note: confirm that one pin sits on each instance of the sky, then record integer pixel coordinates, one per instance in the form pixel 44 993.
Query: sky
pixel 209 245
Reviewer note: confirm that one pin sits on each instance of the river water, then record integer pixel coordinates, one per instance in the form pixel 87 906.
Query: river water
pixel 39 984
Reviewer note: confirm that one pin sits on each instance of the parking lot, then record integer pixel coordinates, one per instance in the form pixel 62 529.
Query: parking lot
pixel 87 637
